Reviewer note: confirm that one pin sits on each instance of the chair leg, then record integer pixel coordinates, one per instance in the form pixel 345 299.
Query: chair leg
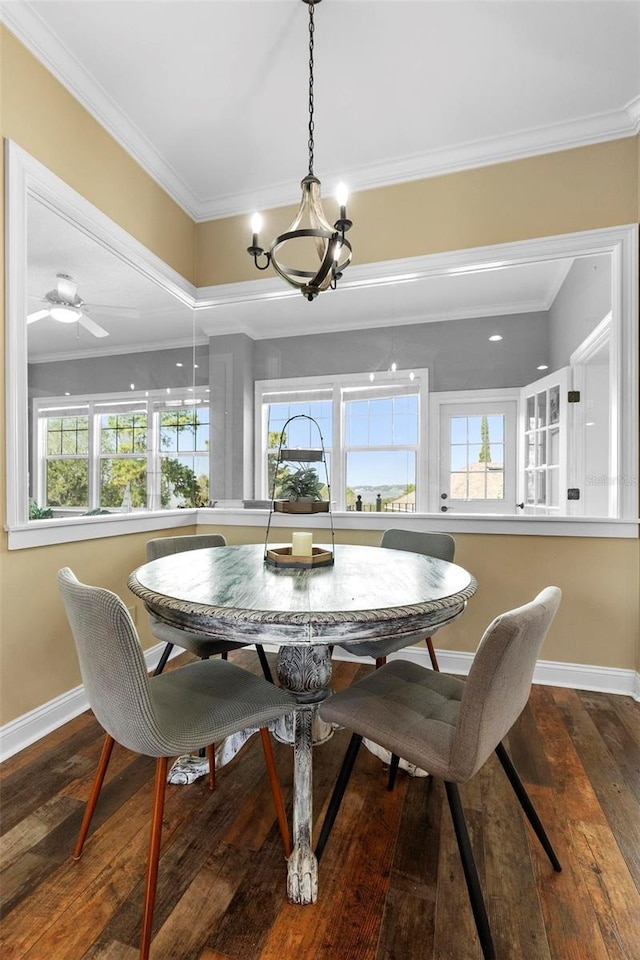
pixel 162 662
pixel 527 805
pixel 154 856
pixel 211 756
pixel 393 770
pixel 380 662
pixel 264 663
pixel 470 872
pixel 432 654
pixel 276 790
pixel 98 780
pixel 338 792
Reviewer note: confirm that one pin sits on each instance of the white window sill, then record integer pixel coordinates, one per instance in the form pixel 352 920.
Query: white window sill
pixel 40 533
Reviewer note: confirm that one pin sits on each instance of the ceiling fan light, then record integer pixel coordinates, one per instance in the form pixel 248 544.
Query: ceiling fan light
pixel 65 314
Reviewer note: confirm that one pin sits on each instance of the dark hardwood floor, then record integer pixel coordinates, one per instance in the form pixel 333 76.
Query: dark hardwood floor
pixel 391 885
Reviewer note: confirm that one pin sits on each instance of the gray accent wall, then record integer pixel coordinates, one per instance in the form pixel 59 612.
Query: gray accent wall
pixel 457 353
pixel 583 301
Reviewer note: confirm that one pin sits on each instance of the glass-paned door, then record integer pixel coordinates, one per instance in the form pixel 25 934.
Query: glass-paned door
pixel 478 457
pixel 543 438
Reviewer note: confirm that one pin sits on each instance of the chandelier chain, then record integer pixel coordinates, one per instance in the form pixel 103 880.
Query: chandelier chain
pixel 311 124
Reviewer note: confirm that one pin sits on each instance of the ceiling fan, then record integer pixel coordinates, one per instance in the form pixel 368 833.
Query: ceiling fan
pixel 65 306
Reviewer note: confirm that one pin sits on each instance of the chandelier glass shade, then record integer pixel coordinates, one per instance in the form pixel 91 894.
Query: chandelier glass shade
pixel 311 254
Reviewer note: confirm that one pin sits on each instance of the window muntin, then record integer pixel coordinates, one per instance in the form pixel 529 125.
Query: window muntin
pixel 119 455
pixel 477 457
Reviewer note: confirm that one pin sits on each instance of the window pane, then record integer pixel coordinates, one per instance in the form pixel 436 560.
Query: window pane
pixel 121 479
pixel 384 480
pixel 385 421
pixel 184 482
pixel 67 483
pixel 68 435
pixel 123 433
pixel 477 465
pixel 300 433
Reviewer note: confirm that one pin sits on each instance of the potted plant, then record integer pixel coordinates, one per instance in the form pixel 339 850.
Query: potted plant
pixel 303 491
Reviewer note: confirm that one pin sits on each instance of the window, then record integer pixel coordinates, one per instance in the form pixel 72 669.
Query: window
pixel 371 433
pixel 116 455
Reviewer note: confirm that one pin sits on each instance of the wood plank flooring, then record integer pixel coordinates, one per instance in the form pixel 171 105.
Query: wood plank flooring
pixel 391 884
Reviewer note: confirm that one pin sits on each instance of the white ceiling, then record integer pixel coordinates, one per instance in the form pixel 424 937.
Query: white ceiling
pixel 210 96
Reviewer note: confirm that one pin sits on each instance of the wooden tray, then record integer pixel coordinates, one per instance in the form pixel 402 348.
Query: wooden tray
pixel 301 506
pixel 282 557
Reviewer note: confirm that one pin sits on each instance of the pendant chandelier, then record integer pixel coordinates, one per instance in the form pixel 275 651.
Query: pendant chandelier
pixel 317 252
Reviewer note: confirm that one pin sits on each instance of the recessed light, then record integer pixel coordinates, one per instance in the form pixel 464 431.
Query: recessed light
pixel 132 386
pixel 195 366
pixel 543 366
pixel 590 423
pixel 178 364
pixel 495 337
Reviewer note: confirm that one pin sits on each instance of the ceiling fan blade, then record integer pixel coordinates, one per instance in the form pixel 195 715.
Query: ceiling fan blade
pixel 38 315
pixel 127 313
pixel 92 326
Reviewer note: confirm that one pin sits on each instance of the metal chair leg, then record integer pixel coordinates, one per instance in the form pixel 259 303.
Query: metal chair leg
pixel 338 792
pixel 527 805
pixel 393 770
pixel 264 663
pixel 162 662
pixel 470 872
pixel 154 856
pixel 96 787
pixel 267 746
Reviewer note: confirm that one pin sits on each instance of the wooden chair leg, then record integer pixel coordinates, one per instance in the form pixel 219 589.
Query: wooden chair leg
pixel 98 780
pixel 380 662
pixel 276 790
pixel 154 856
pixel 432 654
pixel 470 872
pixel 211 756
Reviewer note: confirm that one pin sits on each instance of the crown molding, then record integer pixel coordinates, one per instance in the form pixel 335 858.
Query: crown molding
pixel 21 19
pixel 586 131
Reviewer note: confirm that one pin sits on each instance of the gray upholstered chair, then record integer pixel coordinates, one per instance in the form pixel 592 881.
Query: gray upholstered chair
pixel 451 727
pixel 438 545
pixel 162 716
pixel 198 643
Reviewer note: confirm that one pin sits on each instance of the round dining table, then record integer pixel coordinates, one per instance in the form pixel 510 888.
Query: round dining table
pixel 367 594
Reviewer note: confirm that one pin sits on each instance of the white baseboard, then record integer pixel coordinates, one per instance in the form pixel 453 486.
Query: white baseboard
pixel 576 676
pixel 32 726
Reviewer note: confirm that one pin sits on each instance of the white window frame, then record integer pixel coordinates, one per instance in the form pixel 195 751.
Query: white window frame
pixel 297 387
pixel 95 408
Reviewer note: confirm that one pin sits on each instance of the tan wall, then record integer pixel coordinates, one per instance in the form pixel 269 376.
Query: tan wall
pixel 581 189
pixel 593 187
pixel 42 116
pixel 598 620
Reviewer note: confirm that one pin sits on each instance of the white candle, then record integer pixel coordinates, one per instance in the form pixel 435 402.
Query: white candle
pixel 301 545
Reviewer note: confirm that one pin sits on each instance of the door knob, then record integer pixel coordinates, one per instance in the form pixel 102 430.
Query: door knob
pixel 444 509
pixel 520 505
